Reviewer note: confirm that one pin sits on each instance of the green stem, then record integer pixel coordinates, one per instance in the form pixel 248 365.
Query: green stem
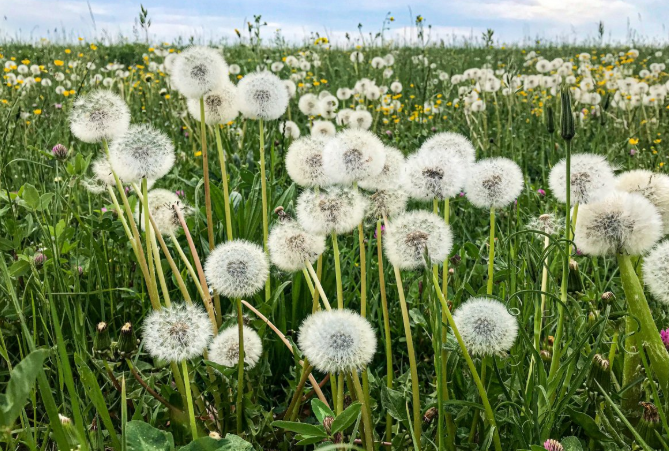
pixel 648 335
pixel 472 368
pixel 491 252
pixel 415 391
pixel 226 189
pixel 340 289
pixel 189 400
pixel 366 416
pixel 265 219
pixel 386 327
pixel 240 367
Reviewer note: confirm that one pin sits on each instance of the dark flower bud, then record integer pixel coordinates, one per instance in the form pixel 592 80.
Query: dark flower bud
pixel 550 120
pixel 430 415
pixel 608 297
pixel 648 424
pixel 568 129
pixel 59 152
pixel 102 340
pixel 127 343
pixel 600 371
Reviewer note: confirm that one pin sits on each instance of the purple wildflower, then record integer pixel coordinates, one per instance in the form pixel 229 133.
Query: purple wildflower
pixel 553 445
pixel 59 151
pixel 665 337
pixel 541 192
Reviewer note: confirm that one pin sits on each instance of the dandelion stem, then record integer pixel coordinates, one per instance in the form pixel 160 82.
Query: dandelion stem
pixel 240 367
pixel 189 400
pixel 319 287
pixel 144 194
pixel 366 417
pixel 265 219
pixel 415 391
pixel 491 254
pixel 224 177
pixel 386 326
pixel 205 170
pixel 189 267
pixel 450 425
pixel 203 281
pixel 340 289
pixel 293 408
pixel 170 261
pixel 472 368
pixel 282 337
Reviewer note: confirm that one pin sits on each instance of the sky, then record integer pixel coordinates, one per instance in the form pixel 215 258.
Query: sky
pixel 513 21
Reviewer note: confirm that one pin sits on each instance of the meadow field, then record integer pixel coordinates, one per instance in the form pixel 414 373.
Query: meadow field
pixel 418 247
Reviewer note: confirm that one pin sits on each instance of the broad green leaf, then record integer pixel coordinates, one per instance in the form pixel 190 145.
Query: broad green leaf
pixel 588 424
pixel 30 195
pixel 346 418
pixel 571 444
pixel 321 410
pixel 394 403
pixel 301 428
pixel 141 436
pixel 229 443
pixel 22 379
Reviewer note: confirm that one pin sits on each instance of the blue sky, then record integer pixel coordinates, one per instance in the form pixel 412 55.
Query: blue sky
pixel 512 20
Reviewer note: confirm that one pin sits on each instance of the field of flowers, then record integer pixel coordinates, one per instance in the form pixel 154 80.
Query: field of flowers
pixel 375 248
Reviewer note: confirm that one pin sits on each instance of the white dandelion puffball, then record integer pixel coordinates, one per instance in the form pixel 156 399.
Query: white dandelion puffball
pixel 546 223
pixel 262 95
pixel 360 120
pixel 237 269
pixel 304 162
pixel 433 174
pixel 389 177
pixel 289 129
pixel 325 129
pixel 353 155
pixel 453 145
pixel 337 341
pixel 486 326
pixel 413 234
pixel 198 70
pixel 656 272
pixel 386 203
pixel 161 209
pixel 337 210
pixel 591 179
pixel 99 115
pixel 177 333
pixel 309 105
pixel 494 182
pixel 652 186
pixel 220 105
pixel 142 152
pixel 102 172
pixel 620 223
pixel 290 246
pixel 224 348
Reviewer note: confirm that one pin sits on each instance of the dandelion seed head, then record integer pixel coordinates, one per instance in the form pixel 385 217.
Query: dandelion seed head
pixel 413 236
pixel 494 182
pixel 430 174
pixel 198 70
pixel 337 210
pixel 324 129
pixel 220 105
pixel 386 203
pixel 591 178
pixel 388 178
pixel 309 105
pixel 99 115
pixel 237 269
pixel 546 223
pixel 359 120
pixel 224 348
pixel 454 145
pixel 161 209
pixel 656 272
pixel 289 129
pixel 262 95
pixel 652 186
pixel 620 223
pixel 353 155
pixel 177 333
pixel 486 326
pixel 142 152
pixel 304 161
pixel 290 246
pixel 337 341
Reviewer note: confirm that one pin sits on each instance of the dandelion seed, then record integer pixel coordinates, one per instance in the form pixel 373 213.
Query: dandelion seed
pixel 262 95
pixel 591 179
pixel 620 223
pixel 337 210
pixel 177 333
pixel 224 348
pixel 142 152
pixel 237 269
pixel 494 182
pixel 337 341
pixel 486 327
pixel 412 235
pixel 353 155
pixel 198 70
pixel 99 115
